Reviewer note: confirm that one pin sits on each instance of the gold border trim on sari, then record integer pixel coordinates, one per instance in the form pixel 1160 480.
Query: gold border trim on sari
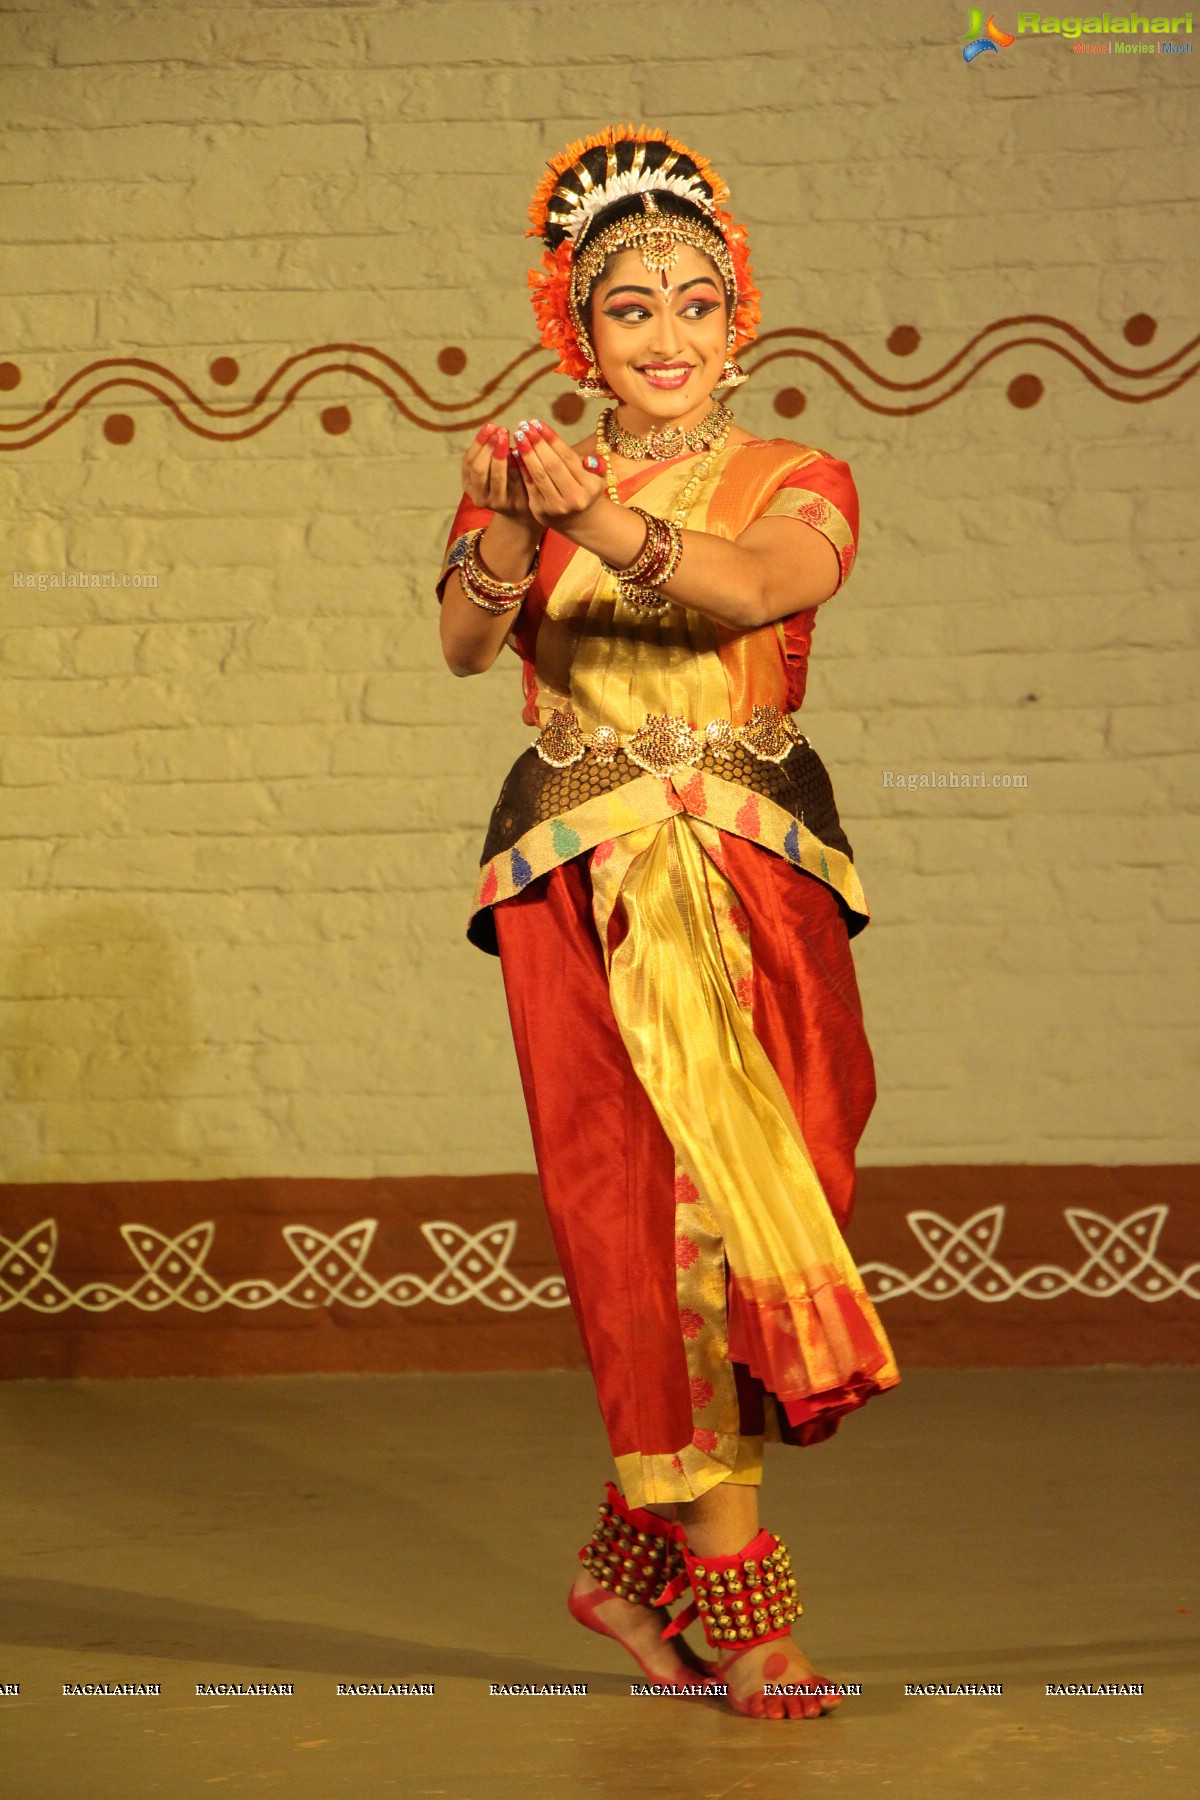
pixel 599 823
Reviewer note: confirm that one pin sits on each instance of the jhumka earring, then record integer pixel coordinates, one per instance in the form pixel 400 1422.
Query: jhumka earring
pixel 732 375
pixel 593 383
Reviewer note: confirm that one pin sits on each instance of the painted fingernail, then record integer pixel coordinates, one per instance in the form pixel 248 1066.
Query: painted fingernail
pixel 522 424
pixel 537 424
pixel 591 462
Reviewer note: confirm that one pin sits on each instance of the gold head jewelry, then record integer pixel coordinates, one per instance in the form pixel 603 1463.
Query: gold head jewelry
pixel 656 237
pixel 681 202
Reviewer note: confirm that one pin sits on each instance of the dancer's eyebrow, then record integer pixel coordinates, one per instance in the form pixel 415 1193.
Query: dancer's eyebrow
pixel 627 287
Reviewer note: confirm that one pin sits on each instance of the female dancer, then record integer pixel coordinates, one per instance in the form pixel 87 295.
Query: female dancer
pixel 671 897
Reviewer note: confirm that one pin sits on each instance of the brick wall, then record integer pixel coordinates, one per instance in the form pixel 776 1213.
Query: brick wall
pixel 242 809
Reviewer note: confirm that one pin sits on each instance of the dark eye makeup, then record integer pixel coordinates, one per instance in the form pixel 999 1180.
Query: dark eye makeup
pixel 629 310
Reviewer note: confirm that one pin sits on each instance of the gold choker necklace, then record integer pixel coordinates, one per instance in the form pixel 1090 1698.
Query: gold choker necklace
pixel 666 441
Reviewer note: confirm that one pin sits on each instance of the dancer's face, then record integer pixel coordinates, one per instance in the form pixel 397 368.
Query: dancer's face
pixel 660 337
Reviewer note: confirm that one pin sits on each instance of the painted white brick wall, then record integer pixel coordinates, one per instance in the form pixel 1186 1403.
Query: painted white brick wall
pixel 242 811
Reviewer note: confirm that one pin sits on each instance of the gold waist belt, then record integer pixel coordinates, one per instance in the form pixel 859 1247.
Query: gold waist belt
pixel 665 741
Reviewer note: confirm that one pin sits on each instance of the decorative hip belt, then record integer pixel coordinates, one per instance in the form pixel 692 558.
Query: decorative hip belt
pixel 665 741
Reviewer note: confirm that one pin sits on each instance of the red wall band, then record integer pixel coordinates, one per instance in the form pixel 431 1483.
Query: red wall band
pixel 985 1266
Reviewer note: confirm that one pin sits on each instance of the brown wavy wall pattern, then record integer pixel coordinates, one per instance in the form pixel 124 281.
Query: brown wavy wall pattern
pixel 99 383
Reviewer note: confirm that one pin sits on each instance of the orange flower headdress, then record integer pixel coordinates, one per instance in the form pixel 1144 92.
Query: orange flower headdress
pixel 580 185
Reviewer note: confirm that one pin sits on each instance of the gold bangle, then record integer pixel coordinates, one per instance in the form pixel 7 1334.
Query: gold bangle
pixel 646 568
pixel 639 584
pixel 658 555
pixel 479 598
pixel 649 554
pixel 490 584
pixel 486 590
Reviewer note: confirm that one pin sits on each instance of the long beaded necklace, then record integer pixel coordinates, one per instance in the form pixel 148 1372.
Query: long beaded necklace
pixel 682 506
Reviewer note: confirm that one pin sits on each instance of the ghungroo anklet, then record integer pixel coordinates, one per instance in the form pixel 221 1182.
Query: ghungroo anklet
pixel 632 1552
pixel 741 1600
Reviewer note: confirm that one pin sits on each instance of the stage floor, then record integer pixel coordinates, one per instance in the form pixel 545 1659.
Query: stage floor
pixel 1022 1527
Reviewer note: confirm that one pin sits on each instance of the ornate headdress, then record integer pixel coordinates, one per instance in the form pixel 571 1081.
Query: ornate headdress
pixel 568 210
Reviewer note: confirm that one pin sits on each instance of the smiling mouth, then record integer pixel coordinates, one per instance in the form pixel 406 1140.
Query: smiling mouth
pixel 666 374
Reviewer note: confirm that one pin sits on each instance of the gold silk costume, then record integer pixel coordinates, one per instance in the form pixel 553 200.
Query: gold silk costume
pixel 665 734
pixel 671 895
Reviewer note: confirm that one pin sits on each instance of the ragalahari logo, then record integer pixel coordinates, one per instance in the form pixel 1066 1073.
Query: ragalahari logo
pixel 980 37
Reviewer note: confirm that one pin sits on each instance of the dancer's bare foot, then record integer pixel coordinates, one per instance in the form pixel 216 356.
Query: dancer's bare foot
pixel 637 1629
pixel 780 1662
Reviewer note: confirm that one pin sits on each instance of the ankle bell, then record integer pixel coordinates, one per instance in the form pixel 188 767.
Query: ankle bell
pixel 744 1600
pixel 632 1553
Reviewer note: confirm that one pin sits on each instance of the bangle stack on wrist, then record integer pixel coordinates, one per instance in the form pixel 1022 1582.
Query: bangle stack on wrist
pixel 639 586
pixel 486 591
pixel 654 564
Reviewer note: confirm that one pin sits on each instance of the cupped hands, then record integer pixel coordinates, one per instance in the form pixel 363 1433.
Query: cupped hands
pixel 561 486
pixel 491 477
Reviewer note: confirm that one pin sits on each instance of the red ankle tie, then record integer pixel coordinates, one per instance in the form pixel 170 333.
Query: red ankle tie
pixel 635 1553
pixel 741 1600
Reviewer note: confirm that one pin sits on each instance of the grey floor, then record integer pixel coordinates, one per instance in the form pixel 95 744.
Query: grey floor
pixel 1022 1527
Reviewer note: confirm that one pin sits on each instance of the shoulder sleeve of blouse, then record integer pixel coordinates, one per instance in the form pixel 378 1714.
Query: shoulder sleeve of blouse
pixel 821 494
pixel 469 517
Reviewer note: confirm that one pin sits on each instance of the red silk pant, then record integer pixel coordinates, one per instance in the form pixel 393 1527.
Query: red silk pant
pixel 605 1163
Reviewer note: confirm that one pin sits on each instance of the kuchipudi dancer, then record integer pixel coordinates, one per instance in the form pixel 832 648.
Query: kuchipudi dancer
pixel 671 896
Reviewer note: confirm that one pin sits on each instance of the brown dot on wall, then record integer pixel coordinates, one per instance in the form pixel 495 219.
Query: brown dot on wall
pixel 224 370
pixel 904 340
pixel 790 403
pixel 452 360
pixel 10 376
pixel 335 420
pixel 568 408
pixel 1025 390
pixel 1140 328
pixel 118 428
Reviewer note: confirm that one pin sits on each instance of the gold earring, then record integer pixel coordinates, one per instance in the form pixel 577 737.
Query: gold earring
pixel 593 383
pixel 732 375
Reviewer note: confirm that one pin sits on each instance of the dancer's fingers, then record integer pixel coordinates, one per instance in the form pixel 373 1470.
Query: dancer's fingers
pixel 477 463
